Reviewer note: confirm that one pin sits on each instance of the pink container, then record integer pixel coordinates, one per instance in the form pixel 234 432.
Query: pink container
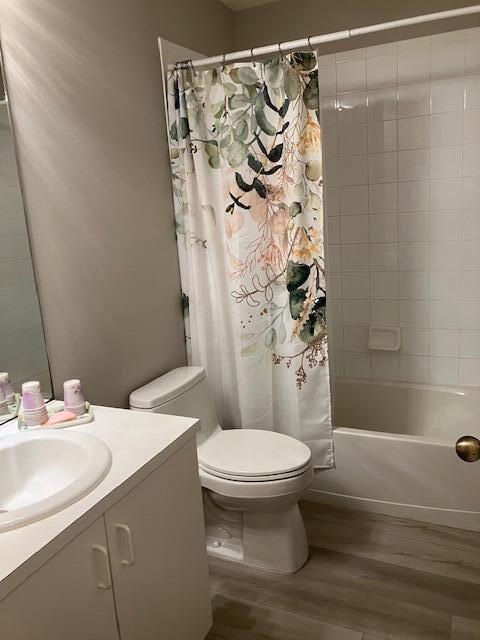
pixel 73 399
pixel 32 396
pixel 3 403
pixel 34 409
pixel 7 387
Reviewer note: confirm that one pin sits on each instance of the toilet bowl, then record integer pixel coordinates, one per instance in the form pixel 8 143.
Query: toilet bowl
pixel 251 479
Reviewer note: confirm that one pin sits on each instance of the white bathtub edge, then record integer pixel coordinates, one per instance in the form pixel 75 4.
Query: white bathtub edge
pixel 447 517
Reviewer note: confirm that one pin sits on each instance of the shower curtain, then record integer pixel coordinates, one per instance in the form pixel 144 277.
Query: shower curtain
pixel 245 147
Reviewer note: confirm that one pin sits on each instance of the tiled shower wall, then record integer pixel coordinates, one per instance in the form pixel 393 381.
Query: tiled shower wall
pixel 401 144
pixel 22 346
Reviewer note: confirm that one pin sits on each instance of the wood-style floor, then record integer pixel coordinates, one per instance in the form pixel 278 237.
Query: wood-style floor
pixel 369 577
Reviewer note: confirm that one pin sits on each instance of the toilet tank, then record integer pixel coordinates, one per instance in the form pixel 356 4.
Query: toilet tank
pixel 181 392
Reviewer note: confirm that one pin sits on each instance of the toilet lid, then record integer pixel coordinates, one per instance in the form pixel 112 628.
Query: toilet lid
pixel 252 454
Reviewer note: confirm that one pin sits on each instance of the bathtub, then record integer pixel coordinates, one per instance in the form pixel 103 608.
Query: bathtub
pixel 395 452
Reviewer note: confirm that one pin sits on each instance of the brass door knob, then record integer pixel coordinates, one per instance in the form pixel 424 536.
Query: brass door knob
pixel 468 448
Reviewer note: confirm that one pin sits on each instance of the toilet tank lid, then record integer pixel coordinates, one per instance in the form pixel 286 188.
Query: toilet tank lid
pixel 166 387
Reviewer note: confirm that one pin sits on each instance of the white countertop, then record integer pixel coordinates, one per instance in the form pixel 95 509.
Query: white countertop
pixel 139 443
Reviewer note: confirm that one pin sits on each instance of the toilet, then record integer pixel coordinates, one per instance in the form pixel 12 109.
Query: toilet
pixel 251 479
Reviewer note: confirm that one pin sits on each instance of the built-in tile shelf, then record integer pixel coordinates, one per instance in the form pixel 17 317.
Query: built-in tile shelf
pixel 401 145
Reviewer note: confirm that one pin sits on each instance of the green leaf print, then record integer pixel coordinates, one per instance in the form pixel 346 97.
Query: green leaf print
pixel 297 274
pixel 260 188
pixel 247 75
pixel 211 149
pixel 263 123
pixel 297 298
pixel 254 164
pixel 292 84
pixel 242 184
pixel 276 153
pixel 310 94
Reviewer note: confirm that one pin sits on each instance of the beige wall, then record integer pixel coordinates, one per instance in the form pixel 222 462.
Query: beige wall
pixel 85 88
pixel 288 20
pixel 201 25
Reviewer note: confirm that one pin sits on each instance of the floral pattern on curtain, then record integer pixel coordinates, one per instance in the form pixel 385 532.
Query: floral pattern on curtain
pixel 245 146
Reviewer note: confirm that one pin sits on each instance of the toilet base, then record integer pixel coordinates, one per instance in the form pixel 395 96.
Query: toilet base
pixel 271 540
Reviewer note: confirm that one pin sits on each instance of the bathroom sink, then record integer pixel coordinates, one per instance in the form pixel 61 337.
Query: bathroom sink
pixel 45 471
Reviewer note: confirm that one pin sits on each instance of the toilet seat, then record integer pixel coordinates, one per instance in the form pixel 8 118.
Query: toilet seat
pixel 262 478
pixel 253 455
pixel 262 490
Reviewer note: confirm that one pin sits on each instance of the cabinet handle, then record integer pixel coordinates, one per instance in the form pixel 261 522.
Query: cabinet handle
pixel 124 530
pixel 103 573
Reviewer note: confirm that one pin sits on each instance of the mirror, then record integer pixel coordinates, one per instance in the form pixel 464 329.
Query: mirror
pixel 23 354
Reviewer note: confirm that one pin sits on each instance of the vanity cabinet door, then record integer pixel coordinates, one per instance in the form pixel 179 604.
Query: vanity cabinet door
pixel 68 597
pixel 156 539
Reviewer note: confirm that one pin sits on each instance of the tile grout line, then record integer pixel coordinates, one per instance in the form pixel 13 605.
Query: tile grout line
pixel 337 122
pixel 369 220
pixel 429 217
pixel 462 218
pixel 397 100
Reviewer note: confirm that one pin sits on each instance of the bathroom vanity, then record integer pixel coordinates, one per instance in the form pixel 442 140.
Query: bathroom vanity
pixel 125 562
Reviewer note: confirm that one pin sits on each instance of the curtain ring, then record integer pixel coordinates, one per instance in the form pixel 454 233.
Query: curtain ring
pixel 252 58
pixel 310 44
pixel 280 49
pixel 223 61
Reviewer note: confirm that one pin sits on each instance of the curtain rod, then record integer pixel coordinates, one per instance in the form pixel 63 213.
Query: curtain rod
pixel 313 41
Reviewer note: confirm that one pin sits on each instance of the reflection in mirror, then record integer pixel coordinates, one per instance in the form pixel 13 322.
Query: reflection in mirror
pixel 23 354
